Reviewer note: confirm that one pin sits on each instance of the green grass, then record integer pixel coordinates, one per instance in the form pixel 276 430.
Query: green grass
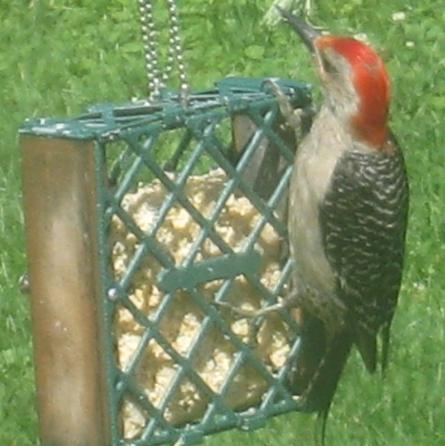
pixel 57 57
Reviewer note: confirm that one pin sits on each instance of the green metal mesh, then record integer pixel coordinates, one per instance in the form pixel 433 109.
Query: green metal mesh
pixel 163 151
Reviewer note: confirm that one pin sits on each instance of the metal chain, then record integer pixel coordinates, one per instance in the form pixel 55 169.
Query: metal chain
pixel 175 51
pixel 156 80
pixel 149 39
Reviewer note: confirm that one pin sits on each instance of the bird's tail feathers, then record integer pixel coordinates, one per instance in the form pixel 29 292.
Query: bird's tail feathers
pixel 320 365
pixel 385 346
pixel 367 346
pixel 366 342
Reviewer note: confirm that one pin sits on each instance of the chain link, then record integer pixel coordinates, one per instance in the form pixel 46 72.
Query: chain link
pixel 149 39
pixel 175 50
pixel 157 80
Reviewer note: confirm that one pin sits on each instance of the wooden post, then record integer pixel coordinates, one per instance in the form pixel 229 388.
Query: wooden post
pixel 61 215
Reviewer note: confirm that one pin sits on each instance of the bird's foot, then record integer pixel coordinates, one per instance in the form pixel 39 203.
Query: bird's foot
pixel 292 116
pixel 253 316
pixel 289 301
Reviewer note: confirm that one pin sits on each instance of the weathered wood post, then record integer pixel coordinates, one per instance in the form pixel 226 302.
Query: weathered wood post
pixel 59 187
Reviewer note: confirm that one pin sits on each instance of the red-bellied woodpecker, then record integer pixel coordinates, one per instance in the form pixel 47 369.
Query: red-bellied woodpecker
pixel 347 217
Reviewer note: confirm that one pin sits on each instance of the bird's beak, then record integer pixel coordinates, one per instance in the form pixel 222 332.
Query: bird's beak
pixel 306 32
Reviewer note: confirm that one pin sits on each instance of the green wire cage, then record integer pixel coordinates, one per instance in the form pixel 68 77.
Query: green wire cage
pixel 147 225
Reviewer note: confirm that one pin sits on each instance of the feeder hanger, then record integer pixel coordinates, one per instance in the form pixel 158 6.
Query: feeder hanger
pixel 156 78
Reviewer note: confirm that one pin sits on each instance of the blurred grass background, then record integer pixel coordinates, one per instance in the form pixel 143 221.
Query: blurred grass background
pixel 58 57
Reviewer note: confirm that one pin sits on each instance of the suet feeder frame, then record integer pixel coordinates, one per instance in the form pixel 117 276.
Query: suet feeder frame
pixel 77 174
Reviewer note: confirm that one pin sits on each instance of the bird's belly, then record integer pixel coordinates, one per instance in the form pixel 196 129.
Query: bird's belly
pixel 314 165
pixel 312 269
pixel 314 279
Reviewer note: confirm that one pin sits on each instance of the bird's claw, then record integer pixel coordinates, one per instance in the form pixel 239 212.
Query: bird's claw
pixel 291 115
pixel 288 301
pixel 244 312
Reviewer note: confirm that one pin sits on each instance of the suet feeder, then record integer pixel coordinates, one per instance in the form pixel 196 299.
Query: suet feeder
pixel 142 220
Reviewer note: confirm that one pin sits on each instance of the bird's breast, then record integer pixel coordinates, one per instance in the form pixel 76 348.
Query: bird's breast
pixel 315 162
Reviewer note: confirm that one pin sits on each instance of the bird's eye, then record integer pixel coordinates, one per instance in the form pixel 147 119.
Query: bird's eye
pixel 328 66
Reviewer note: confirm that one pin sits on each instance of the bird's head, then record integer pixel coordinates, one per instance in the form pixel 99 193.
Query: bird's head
pixel 355 79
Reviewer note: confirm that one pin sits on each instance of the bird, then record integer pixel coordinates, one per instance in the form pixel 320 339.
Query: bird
pixel 348 212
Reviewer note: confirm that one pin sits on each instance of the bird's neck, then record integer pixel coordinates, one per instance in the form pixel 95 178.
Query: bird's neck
pixel 363 116
pixel 370 127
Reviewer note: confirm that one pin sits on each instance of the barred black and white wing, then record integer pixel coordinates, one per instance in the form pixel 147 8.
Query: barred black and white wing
pixel 363 225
